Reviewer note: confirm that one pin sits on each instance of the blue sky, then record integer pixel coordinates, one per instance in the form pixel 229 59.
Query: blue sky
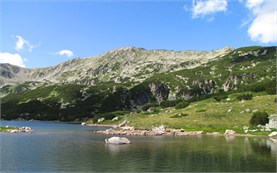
pixel 44 33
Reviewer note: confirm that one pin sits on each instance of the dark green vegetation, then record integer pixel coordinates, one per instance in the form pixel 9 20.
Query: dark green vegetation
pixel 241 74
pixel 247 96
pixel 259 118
pixel 182 104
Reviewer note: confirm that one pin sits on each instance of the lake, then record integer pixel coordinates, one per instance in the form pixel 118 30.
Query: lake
pixel 61 147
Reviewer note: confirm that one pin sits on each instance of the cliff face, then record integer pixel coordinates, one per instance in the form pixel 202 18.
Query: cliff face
pixel 129 78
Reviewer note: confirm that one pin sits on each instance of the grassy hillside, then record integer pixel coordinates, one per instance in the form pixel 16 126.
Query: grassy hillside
pixel 207 115
pixel 249 69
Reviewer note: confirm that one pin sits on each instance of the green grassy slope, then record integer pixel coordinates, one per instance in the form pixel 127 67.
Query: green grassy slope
pixel 245 69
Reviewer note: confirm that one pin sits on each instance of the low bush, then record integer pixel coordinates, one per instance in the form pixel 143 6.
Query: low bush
pixel 179 115
pixel 220 97
pixel 149 105
pixel 271 91
pixel 259 118
pixel 245 96
pixel 182 104
pixel 169 103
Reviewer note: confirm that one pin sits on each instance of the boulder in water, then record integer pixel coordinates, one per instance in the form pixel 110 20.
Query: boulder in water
pixel 117 140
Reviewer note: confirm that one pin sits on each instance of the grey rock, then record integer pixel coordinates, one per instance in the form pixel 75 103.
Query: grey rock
pixel 100 120
pixel 117 140
pixel 159 130
pixel 273 135
pixel 229 132
pixel 115 119
pixel 247 110
pixel 272 121
pixel 123 123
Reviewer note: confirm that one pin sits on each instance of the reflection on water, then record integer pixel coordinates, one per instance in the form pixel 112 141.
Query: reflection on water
pixel 54 147
pixel 229 138
pixel 263 145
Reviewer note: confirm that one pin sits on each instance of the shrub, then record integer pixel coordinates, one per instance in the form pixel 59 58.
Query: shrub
pixel 179 115
pixel 259 118
pixel 245 97
pixel 169 103
pixel 201 110
pixel 182 104
pixel 219 98
pixel 147 106
pixel 271 91
pixel 107 116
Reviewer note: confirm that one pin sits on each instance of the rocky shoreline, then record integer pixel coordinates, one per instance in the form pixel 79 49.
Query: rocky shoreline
pixel 19 130
pixel 157 131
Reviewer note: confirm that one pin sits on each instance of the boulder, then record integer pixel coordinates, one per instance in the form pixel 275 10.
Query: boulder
pixel 229 132
pixel 117 140
pixel 123 123
pixel 115 119
pixel 273 135
pixel 272 121
pixel 13 131
pixel 127 128
pixel 215 133
pixel 100 120
pixel 199 132
pixel 159 130
pixel 247 110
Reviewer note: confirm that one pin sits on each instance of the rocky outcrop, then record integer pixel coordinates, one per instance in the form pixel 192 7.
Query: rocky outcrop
pixel 160 91
pixel 272 122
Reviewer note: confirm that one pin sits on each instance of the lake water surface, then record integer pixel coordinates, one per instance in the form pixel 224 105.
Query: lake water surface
pixel 60 147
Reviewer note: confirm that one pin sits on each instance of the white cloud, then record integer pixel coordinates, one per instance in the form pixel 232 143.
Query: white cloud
pixel 201 8
pixel 67 53
pixel 14 59
pixel 254 3
pixel 263 27
pixel 21 43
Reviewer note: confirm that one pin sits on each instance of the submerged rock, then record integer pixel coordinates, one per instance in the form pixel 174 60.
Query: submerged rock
pixel 117 140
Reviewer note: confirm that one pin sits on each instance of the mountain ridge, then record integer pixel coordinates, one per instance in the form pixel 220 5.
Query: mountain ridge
pixel 129 63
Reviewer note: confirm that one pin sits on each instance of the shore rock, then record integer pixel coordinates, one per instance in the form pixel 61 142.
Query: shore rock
pixel 123 123
pixel 273 135
pixel 230 132
pixel 159 130
pixel 115 119
pixel 22 129
pixel 100 120
pixel 117 140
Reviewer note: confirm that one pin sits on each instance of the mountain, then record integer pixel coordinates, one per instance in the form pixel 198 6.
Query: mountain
pixel 130 78
pixel 126 64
